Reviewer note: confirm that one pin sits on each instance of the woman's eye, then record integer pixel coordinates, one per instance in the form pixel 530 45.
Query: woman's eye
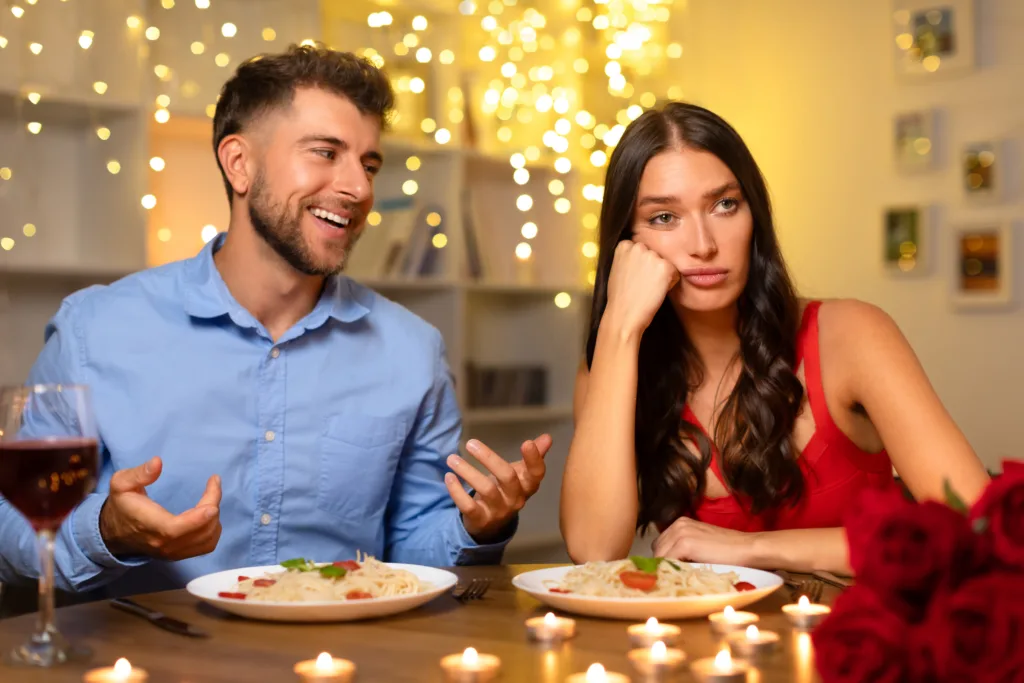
pixel 662 219
pixel 728 204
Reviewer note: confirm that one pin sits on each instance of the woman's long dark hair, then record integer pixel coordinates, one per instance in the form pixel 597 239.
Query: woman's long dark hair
pixel 753 434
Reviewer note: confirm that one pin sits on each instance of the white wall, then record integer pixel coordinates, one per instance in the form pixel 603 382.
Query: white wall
pixel 811 87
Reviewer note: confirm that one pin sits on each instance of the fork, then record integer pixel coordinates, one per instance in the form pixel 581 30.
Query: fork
pixel 474 590
pixel 812 588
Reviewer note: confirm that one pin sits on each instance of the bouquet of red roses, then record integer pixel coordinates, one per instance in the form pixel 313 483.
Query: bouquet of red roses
pixel 939 592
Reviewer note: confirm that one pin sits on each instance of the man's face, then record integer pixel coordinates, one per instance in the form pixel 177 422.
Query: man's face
pixel 313 186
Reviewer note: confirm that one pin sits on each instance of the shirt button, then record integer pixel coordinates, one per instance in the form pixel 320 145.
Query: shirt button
pixel 275 352
pixel 269 436
pixel 265 519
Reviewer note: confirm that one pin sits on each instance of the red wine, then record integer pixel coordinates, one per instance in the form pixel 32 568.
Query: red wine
pixel 45 479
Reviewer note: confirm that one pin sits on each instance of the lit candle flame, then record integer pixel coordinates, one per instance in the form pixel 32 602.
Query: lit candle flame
pixel 550 620
pixel 723 660
pixel 652 625
pixel 803 603
pixel 596 674
pixel 324 662
pixel 470 657
pixel 729 613
pixel 122 668
pixel 753 633
pixel 659 652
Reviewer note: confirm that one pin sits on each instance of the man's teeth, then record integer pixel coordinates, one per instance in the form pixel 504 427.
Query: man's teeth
pixel 328 216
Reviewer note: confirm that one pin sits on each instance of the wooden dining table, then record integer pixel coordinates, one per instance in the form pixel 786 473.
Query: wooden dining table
pixel 405 648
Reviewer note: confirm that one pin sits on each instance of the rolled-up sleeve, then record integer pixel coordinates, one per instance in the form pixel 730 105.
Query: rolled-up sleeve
pixel 423 524
pixel 82 560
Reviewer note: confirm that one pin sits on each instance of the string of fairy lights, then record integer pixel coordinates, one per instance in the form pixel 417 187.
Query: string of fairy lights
pixel 542 70
pixel 532 79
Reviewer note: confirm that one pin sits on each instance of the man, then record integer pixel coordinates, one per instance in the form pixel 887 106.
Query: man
pixel 253 404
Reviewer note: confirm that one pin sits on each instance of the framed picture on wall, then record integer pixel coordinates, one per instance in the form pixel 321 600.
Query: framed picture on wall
pixel 980 170
pixel 914 142
pixel 904 239
pixel 933 37
pixel 983 265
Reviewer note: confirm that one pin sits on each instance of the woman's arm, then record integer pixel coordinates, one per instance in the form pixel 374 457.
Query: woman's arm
pixel 799 550
pixel 882 374
pixel 599 488
pixel 599 491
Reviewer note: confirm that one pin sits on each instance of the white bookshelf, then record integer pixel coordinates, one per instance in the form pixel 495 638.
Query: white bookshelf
pixel 91 227
pixel 89 224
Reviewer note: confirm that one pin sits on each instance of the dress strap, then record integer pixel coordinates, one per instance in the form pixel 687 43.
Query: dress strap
pixel 716 467
pixel 809 354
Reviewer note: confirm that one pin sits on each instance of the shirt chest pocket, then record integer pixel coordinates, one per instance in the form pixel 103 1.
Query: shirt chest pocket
pixel 358 458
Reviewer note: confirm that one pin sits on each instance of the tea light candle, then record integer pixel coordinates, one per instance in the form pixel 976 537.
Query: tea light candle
pixel 753 643
pixel 646 635
pixel 805 615
pixel 658 662
pixel 721 668
pixel 729 620
pixel 550 629
pixel 596 674
pixel 470 667
pixel 121 672
pixel 325 669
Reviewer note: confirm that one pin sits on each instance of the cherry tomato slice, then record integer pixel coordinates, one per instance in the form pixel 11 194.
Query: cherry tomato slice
pixel 641 581
pixel 350 565
pixel 357 595
pixel 233 596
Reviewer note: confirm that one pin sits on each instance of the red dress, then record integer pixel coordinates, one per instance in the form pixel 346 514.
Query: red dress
pixel 835 470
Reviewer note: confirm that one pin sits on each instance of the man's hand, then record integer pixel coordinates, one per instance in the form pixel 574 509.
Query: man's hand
pixel 502 495
pixel 132 524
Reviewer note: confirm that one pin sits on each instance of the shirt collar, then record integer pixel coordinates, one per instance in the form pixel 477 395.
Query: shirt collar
pixel 207 296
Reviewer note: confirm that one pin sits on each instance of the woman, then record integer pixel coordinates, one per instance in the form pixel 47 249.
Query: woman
pixel 749 419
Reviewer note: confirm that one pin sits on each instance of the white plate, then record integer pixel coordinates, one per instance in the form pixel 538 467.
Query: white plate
pixel 640 609
pixel 206 588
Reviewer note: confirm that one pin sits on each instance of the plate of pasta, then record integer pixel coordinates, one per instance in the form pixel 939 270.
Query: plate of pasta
pixel 303 590
pixel 643 587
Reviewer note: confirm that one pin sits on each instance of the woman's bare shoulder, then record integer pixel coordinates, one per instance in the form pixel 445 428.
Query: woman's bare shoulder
pixel 848 326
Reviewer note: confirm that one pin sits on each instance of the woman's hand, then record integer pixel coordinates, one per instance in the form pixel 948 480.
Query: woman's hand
pixel 693 541
pixel 637 285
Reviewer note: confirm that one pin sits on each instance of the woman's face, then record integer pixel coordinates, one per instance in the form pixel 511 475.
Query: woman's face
pixel 691 212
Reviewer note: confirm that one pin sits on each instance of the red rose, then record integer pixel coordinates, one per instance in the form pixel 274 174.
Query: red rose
pixel 862 640
pixel 1001 506
pixel 906 551
pixel 1013 468
pixel 978 631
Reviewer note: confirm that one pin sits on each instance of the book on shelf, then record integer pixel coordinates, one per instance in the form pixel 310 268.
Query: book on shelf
pixel 380 248
pixel 506 386
pixel 475 266
pixel 422 257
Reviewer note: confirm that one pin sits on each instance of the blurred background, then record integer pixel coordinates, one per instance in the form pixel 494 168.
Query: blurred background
pixel 890 133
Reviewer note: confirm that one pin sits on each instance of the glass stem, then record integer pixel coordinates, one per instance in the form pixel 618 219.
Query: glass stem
pixel 44 625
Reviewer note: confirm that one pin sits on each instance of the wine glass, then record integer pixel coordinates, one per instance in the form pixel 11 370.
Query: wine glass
pixel 48 465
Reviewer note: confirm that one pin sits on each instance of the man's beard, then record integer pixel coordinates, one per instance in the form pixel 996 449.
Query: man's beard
pixel 284 234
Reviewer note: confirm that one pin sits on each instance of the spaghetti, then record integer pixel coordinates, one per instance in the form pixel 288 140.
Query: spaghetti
pixel 648 577
pixel 305 581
